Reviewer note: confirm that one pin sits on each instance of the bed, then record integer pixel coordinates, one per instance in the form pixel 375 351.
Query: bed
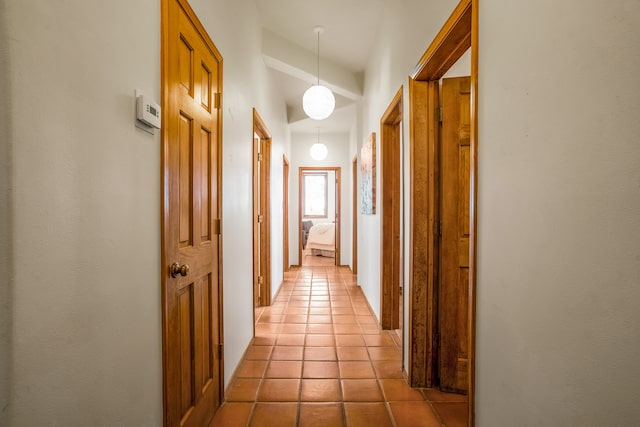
pixel 322 239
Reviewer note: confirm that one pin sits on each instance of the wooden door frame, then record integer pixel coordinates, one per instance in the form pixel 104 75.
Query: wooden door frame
pixel 165 262
pixel 285 213
pixel 338 221
pixel 390 238
pixel 263 239
pixel 354 214
pixel 459 33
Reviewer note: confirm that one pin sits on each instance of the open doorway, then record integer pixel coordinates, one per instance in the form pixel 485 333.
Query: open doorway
pixel 261 214
pixel 443 173
pixel 391 215
pixel 319 216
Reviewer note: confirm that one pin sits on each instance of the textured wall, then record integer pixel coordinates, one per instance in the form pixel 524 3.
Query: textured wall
pixel 559 214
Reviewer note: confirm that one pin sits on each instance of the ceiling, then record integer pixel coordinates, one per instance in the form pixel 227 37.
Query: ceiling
pixel 290 53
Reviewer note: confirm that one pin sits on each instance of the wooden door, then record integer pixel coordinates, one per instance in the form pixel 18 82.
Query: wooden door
pixel 258 218
pixel 191 241
pixel 285 213
pixel 391 187
pixel 454 213
pixel 261 212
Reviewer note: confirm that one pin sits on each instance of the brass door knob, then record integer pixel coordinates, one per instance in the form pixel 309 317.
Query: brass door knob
pixel 181 269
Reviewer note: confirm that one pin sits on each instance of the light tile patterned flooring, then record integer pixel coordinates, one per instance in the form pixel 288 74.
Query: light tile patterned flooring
pixel 320 359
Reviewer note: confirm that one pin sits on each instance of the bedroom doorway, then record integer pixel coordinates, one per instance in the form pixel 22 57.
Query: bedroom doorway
pixel 319 216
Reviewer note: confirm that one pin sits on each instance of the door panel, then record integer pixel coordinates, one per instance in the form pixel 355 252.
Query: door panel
pixel 192 313
pixel 454 267
pixel 261 212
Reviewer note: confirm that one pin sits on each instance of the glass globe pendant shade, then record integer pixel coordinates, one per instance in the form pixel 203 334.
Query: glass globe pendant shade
pixel 318 151
pixel 318 102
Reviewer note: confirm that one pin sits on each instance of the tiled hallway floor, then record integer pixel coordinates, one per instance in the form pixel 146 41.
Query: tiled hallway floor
pixel 320 359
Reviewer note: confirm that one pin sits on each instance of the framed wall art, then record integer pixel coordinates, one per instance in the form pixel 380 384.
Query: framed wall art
pixel 368 170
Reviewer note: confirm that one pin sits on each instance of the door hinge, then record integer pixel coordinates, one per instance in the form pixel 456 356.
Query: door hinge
pixel 216 226
pixel 260 280
pixel 438 114
pixel 220 351
pixel 260 219
pixel 217 101
pixel 259 157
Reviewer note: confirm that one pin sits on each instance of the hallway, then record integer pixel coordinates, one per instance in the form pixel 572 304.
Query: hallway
pixel 320 359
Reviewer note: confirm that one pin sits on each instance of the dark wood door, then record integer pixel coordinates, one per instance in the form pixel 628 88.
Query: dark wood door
pixel 258 221
pixel 261 212
pixel 191 244
pixel 454 214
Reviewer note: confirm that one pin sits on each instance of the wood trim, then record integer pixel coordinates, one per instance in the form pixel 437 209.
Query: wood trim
pixel 458 33
pixel 393 114
pixel 433 218
pixel 354 214
pixel 266 248
pixel 473 215
pixel 450 43
pixel 264 240
pixel 390 186
pixel 164 189
pixel 255 178
pixel 285 213
pixel 338 185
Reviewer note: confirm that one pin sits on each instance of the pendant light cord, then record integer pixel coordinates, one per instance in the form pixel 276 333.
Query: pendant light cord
pixel 318 58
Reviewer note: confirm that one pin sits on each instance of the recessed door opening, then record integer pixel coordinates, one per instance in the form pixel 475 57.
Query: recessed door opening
pixel 390 219
pixel 319 216
pixel 261 215
pixel 443 176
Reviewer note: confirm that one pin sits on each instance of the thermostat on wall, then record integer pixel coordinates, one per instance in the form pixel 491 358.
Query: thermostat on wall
pixel 147 111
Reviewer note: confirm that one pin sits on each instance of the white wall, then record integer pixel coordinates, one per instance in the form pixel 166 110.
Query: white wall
pixel 82 191
pixel 403 36
pixel 559 214
pixel 235 28
pixel 338 156
pixel 6 219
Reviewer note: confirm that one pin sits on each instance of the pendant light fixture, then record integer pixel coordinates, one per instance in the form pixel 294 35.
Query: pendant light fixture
pixel 318 102
pixel 318 150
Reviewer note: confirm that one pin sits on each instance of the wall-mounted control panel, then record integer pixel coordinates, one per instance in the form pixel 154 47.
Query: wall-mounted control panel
pixel 147 111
